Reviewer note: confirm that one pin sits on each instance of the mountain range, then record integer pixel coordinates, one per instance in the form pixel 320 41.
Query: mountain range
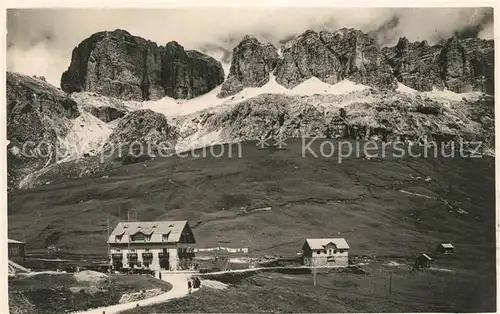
pixel 120 88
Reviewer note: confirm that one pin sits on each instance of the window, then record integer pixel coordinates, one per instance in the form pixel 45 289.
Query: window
pixel 118 238
pixel 341 251
pixel 138 237
pixel 319 252
pixel 164 237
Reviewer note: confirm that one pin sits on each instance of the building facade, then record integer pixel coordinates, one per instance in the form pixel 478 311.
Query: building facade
pixel 325 252
pixel 422 261
pixel 16 251
pixel 152 245
pixel 445 248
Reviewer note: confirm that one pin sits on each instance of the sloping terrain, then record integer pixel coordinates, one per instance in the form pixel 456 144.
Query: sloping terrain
pixel 328 83
pixel 309 196
pixel 67 292
pixel 388 208
pixel 430 291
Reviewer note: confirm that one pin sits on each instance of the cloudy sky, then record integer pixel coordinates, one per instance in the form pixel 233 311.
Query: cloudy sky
pixel 39 41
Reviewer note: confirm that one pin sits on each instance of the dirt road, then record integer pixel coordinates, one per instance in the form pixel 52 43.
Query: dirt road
pixel 179 290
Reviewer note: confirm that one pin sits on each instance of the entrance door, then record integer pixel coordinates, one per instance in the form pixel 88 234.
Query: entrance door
pixel 164 260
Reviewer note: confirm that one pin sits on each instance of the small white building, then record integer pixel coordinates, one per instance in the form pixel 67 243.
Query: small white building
pixel 325 252
pixel 153 245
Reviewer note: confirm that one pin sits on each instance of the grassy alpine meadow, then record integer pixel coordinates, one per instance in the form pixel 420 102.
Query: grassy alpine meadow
pixel 386 208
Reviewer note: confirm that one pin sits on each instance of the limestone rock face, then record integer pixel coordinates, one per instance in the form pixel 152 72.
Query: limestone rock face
pixel 251 64
pixel 481 58
pixel 37 116
pixel 307 56
pixel 332 57
pixel 459 65
pixel 414 64
pixel 142 133
pixel 118 64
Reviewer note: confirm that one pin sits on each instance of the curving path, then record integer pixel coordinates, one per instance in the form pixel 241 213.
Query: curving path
pixel 179 290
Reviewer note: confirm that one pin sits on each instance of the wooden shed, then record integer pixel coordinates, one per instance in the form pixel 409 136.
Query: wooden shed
pixel 16 251
pixel 446 248
pixel 422 261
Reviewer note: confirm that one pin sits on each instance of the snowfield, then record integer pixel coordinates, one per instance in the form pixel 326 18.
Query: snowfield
pixel 172 108
pixel 445 97
pixel 88 134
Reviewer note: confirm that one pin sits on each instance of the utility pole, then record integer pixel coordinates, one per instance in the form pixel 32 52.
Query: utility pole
pixel 390 284
pixel 314 275
pixel 128 240
pixel 109 253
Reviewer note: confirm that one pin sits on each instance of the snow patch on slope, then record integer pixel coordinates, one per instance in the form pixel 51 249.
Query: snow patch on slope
pixel 316 86
pixel 91 99
pixel 445 97
pixel 87 135
pixel 173 108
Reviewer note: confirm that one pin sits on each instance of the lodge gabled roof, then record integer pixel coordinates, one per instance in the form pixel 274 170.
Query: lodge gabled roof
pixel 320 243
pixel 158 230
pixel 447 245
pixel 14 241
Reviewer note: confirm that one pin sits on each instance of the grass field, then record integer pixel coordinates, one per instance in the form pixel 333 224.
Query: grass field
pixel 358 199
pixel 412 291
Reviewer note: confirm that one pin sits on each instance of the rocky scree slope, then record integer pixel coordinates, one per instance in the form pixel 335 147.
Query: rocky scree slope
pixel 38 115
pixel 51 132
pixel 362 115
pixel 128 67
pixel 109 67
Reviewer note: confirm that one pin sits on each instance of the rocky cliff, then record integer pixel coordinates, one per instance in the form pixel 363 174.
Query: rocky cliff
pixel 128 67
pixel 251 64
pixel 458 65
pixel 362 115
pixel 332 57
pixel 385 94
pixel 142 132
pixel 38 115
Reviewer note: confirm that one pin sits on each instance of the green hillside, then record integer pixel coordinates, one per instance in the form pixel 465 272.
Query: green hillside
pixel 309 197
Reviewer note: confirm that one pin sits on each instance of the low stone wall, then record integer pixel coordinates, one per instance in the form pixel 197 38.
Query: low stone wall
pixel 137 296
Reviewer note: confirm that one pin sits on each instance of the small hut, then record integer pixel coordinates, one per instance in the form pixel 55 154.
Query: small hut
pixel 445 248
pixel 423 261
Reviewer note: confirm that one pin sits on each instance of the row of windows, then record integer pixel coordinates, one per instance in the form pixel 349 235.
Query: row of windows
pixel 180 250
pixel 330 251
pixel 140 237
pixel 186 237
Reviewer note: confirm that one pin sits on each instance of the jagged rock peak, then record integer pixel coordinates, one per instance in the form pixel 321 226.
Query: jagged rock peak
pixel 118 64
pixel 333 56
pixel 403 43
pixel 460 65
pixel 252 62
